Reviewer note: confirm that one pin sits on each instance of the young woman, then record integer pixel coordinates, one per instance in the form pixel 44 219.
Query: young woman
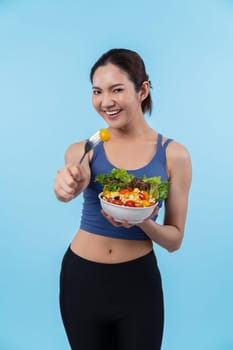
pixel 110 286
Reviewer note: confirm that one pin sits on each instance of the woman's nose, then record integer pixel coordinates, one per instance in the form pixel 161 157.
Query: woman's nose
pixel 107 100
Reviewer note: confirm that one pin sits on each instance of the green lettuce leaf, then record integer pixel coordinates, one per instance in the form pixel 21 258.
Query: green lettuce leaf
pixel 119 179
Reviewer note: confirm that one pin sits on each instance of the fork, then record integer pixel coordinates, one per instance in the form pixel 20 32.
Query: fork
pixel 90 144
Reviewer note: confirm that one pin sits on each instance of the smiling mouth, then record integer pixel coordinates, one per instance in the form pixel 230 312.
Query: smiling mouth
pixel 112 113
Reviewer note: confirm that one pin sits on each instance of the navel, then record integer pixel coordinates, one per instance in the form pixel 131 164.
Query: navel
pixel 110 251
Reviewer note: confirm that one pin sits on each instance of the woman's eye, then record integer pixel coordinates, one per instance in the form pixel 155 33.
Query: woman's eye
pixel 117 90
pixel 96 92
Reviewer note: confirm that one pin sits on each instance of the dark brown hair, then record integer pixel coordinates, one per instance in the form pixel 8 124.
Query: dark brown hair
pixel 130 62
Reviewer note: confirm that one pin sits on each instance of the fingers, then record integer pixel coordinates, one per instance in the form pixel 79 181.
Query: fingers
pixel 67 183
pixel 74 172
pixel 122 223
pixel 154 213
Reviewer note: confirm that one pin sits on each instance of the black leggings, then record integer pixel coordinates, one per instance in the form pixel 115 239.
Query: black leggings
pixel 112 306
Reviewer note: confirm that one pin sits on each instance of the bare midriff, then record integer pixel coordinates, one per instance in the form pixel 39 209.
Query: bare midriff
pixel 103 249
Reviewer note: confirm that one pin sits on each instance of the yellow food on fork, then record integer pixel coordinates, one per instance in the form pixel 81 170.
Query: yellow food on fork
pixel 101 135
pixel 104 135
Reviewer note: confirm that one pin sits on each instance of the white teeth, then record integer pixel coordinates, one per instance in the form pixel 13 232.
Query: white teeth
pixel 111 112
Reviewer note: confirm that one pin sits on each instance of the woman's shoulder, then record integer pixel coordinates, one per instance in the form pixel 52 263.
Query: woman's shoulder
pixel 178 156
pixel 178 148
pixel 175 148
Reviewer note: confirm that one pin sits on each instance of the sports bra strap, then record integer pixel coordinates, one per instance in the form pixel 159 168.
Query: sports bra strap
pixel 166 143
pixel 159 141
pixel 161 148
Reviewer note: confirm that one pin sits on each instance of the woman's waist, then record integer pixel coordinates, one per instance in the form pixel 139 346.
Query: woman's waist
pixel 103 249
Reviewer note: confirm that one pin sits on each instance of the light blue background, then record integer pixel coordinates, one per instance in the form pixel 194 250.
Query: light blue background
pixel 46 51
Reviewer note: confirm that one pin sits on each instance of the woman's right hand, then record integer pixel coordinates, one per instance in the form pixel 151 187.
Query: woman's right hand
pixel 69 182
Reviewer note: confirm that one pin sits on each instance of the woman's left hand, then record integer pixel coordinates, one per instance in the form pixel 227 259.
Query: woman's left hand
pixel 123 223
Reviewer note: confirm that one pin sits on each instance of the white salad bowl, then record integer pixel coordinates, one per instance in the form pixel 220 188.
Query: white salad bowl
pixel 130 214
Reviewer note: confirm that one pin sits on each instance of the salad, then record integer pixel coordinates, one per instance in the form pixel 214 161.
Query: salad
pixel 123 188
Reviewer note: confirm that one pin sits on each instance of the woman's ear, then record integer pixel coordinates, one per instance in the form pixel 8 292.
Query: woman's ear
pixel 145 90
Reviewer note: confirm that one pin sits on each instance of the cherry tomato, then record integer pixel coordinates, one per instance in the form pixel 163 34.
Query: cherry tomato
pixel 141 195
pixel 130 203
pixel 117 201
pixel 104 134
pixel 138 205
pixel 124 191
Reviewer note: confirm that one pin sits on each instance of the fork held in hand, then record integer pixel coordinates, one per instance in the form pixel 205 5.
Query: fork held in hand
pixel 90 144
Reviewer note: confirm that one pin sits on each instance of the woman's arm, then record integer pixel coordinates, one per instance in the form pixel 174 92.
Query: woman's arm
pixel 170 235
pixel 71 180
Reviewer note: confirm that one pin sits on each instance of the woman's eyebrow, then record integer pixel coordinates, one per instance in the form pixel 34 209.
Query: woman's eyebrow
pixel 111 87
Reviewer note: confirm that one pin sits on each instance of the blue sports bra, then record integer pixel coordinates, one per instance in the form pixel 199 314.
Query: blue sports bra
pixel 92 220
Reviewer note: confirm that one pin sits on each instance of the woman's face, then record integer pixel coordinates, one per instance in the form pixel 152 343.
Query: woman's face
pixel 114 96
